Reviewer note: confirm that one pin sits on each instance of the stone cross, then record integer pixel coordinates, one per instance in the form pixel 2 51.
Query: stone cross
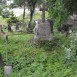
pixel 6 40
pixel 43 9
pixel 7 67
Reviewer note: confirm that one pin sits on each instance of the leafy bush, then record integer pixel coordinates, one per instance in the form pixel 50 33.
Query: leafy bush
pixel 45 61
pixel 57 11
pixel 5 13
pixel 12 20
pixel 1 9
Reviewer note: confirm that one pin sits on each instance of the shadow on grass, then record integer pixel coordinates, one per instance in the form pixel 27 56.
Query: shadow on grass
pixel 50 45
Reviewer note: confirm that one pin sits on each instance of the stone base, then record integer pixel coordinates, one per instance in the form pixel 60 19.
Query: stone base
pixel 7 70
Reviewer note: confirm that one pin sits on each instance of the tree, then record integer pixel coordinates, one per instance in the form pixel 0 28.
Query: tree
pixel 59 10
pixel 0 1
pixel 31 6
pixel 21 3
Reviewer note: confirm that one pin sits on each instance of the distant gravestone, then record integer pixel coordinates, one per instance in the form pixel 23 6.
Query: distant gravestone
pixel 72 20
pixel 18 27
pixel 42 31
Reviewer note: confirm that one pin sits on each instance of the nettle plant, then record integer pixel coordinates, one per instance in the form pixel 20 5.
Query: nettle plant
pixel 73 44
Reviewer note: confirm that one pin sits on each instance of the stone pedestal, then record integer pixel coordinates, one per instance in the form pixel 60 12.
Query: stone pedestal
pixel 42 31
pixel 7 70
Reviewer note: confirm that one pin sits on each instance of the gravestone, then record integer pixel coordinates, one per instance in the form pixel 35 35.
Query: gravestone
pixel 42 30
pixel 18 27
pixel 69 24
pixel 72 20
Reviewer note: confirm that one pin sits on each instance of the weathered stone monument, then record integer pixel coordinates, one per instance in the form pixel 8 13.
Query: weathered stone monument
pixel 42 30
pixel 18 27
pixel 69 25
pixel 72 20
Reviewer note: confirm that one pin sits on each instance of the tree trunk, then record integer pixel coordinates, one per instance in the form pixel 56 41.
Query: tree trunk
pixel 31 16
pixel 24 15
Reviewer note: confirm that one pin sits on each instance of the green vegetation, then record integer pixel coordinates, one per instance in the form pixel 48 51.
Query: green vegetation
pixel 59 10
pixel 57 58
pixel 3 21
pixel 47 60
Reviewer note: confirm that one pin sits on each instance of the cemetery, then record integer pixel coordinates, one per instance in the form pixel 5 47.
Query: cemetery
pixel 39 43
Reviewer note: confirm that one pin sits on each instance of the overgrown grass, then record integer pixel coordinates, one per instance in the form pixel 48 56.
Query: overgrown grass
pixel 3 21
pixel 47 60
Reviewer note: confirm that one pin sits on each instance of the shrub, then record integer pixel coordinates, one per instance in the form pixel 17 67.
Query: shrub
pixel 5 13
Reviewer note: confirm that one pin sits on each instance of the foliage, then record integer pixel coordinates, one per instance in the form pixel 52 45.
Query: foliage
pixel 49 60
pixel 5 13
pixel 12 19
pixel 0 9
pixel 30 4
pixel 19 2
pixel 73 45
pixel 70 5
pixel 13 5
pixel 59 10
